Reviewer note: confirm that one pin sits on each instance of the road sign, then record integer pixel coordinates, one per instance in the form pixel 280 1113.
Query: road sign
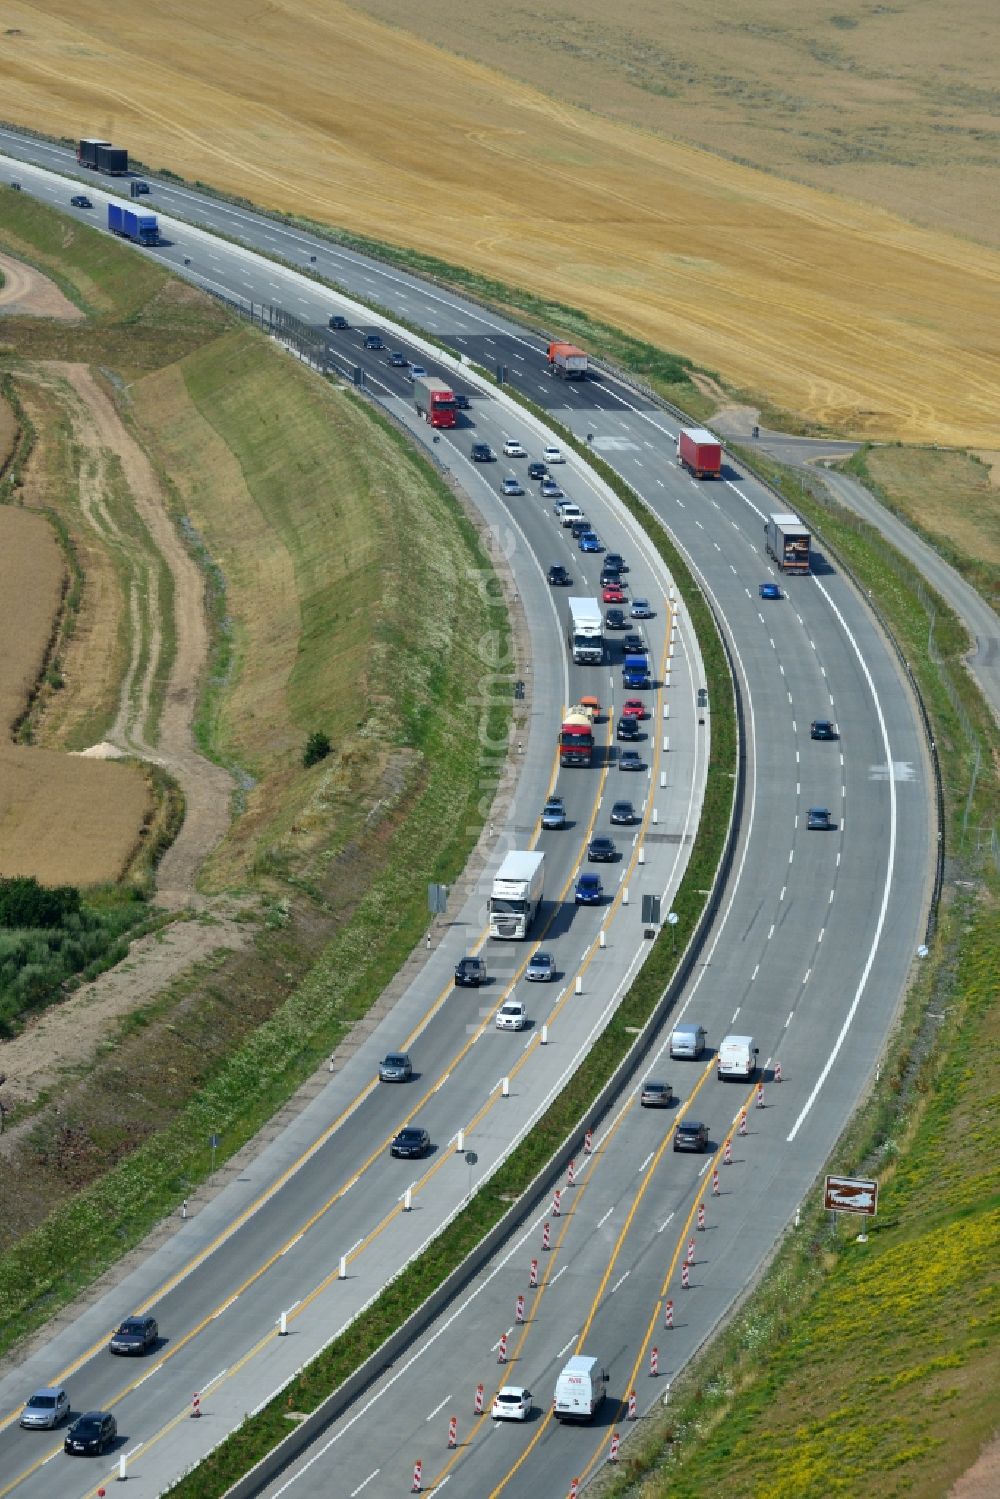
pixel 437 899
pixel 848 1194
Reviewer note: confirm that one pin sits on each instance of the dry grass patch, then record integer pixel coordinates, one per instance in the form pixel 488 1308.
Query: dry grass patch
pixel 32 577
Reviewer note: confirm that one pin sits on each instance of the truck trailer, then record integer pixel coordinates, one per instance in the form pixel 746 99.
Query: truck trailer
pixel 86 152
pixel 112 159
pixel 140 228
pixel 516 894
pixel 586 627
pixel 567 361
pixel 699 452
pixel 787 541
pixel 435 401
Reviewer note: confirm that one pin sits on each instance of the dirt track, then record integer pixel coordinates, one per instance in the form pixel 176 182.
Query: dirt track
pixel 27 293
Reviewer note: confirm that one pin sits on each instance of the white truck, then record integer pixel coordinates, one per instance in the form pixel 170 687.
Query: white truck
pixel 516 894
pixel 586 632
pixel 737 1058
pixel 580 1388
pixel 787 541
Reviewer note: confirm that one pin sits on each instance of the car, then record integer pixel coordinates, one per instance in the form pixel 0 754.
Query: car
pixel 690 1134
pixel 610 575
pixel 411 1143
pixel 614 619
pixel 622 814
pixel 550 490
pixel 416 372
pixel 617 561
pixel 554 813
pixel 461 401
pixel 135 1335
pixel 513 449
pixel 395 1068
pixel 511 485
pixel 558 576
pixel 552 454
pixel 633 643
pixel 589 890
pixel 541 968
pixel 579 528
pixel 511 1016
pixel 537 471
pixel 612 594
pixel 337 320
pixel 634 707
pixel 656 1094
pixel 511 1403
pixel 80 200
pixel 568 513
pixel 374 341
pixel 602 851
pixel 822 728
pixel 398 360
pixel 819 820
pixel 46 1409
pixel 470 973
pixel 630 760
pixel 641 610
pixel 91 1434
pixel 483 453
pixel 590 542
pixel 628 728
pixel 138 187
pixel 769 591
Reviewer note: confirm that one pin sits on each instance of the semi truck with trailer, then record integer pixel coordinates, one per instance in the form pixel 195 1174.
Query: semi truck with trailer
pixel 102 156
pixel 435 401
pixel 567 361
pixel 586 627
pixel 140 228
pixel 516 894
pixel 787 541
pixel 699 452
pixel 576 739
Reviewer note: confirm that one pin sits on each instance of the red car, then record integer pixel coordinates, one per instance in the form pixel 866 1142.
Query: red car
pixel 613 594
pixel 633 707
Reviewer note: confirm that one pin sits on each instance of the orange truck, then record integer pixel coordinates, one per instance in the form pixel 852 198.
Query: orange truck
pixel 567 361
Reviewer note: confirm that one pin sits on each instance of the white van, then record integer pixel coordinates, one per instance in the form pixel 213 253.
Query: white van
pixel 737 1057
pixel 580 1388
pixel 687 1040
pixel 570 514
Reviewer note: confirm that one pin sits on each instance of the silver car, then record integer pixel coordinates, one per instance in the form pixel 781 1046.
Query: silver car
pixel 541 968
pixel 395 1068
pixel 46 1408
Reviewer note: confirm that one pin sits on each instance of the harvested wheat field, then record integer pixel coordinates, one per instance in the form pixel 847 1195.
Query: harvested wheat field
pixel 827 307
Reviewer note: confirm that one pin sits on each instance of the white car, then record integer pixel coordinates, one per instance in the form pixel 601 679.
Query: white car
pixel 511 1016
pixel 513 449
pixel 512 1403
pixel 552 455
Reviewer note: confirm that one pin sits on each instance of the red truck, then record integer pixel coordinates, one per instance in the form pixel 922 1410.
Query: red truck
pixel 699 452
pixel 434 401
pixel 567 361
pixel 576 740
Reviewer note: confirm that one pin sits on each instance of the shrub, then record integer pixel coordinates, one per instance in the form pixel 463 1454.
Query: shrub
pixel 26 903
pixel 317 748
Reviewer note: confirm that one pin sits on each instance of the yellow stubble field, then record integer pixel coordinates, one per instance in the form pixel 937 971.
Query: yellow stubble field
pixel 827 307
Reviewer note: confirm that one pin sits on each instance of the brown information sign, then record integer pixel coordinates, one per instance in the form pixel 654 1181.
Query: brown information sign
pixel 848 1194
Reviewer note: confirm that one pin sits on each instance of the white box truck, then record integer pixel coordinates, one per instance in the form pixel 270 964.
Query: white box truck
pixel 516 894
pixel 737 1057
pixel 586 632
pixel 580 1388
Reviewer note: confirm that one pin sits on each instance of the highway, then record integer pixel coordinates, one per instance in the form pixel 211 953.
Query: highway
pixel 810 954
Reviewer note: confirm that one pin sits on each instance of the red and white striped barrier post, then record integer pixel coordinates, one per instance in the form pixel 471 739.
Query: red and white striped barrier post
pixel 701 1217
pixel 571 1174
pixel 743 1121
pixel 777 1072
pixel 557 1202
pixel 668 1314
pixel 195 1407
pixel 533 1275
pixel 616 1442
pixel 478 1407
pixel 727 1152
pixel 453 1432
pixel 502 1349
pixel 546 1236
pixel 633 1406
pixel 574 1488
pixel 760 1095
pixel 588 1142
pixel 519 1309
pixel 654 1362
pixel 715 1182
pixel 685 1276
pixel 418 1477
pixel 690 1252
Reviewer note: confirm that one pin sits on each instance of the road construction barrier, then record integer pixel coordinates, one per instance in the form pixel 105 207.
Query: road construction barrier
pixel 502 1349
pixel 616 1442
pixel 453 1432
pixel 715 1182
pixel 668 1314
pixel 195 1406
pixel 701 1217
pixel 760 1095
pixel 571 1174
pixel 533 1275
pixel 690 1252
pixel 519 1309
pixel 633 1406
pixel 418 1477
pixel 556 1202
pixel 727 1153
pixel 574 1488
pixel 777 1072
pixel 588 1142
pixel 654 1362
pixel 546 1236
pixel 743 1121
pixel 478 1407
pixel 685 1276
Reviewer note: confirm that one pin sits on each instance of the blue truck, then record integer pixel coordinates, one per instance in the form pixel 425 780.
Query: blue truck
pixel 635 671
pixel 141 228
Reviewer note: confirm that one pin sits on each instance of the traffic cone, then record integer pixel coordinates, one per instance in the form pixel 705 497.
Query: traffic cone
pixel 478 1408
pixel 715 1182
pixel 418 1477
pixel 519 1309
pixel 685 1277
pixel 701 1217
pixel 546 1236
pixel 502 1349
pixel 533 1275
pixel 727 1153
pixel 633 1406
pixel 195 1407
pixel 616 1442
pixel 654 1362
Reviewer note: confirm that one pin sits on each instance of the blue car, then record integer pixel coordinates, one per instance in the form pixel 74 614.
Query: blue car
pixel 769 591
pixel 589 890
pixel 590 542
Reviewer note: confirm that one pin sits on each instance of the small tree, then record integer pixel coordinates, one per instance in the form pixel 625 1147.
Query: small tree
pixel 317 748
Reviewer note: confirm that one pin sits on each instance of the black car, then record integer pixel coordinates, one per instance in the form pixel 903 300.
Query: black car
pixel 337 321
pixel 630 760
pixel 623 813
pixel 822 728
pixel 537 471
pixel 374 341
pixel 819 820
pixel 690 1135
pixel 410 1143
pixel 461 401
pixel 579 528
pixel 91 1434
pixel 397 360
pixel 610 575
pixel 558 576
pixel 470 973
pixel 602 851
pixel 628 728
pixel 617 561
pixel 614 619
pixel 483 453
pixel 633 643
pixel 138 187
pixel 135 1335
pixel 78 200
